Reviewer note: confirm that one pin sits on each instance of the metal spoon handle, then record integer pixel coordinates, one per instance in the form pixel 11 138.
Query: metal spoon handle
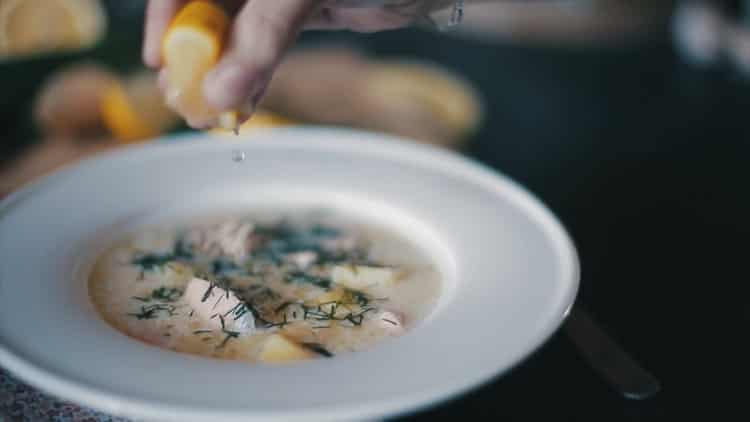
pixel 609 359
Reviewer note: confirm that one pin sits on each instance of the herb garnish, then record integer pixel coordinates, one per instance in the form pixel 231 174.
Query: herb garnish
pixel 300 277
pixel 229 334
pixel 152 311
pixel 222 266
pixel 358 297
pixel 207 294
pixel 167 294
pixel 320 230
pixel 318 348
pixel 181 250
pixel 151 261
pixel 286 239
pixel 163 294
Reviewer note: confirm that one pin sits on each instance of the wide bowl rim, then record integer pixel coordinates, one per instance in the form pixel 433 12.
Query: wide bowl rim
pixel 436 157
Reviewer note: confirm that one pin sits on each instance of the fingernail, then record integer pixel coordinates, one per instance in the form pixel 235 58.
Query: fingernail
pixel 224 86
pixel 252 104
pixel 258 97
pixel 199 123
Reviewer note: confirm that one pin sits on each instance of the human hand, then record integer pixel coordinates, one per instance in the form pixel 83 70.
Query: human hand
pixel 262 32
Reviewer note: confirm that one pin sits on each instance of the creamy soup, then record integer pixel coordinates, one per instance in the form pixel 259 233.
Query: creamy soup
pixel 260 288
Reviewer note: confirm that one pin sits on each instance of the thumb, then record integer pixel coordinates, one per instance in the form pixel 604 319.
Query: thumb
pixel 262 32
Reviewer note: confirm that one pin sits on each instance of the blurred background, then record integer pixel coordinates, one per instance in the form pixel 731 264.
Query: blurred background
pixel 628 118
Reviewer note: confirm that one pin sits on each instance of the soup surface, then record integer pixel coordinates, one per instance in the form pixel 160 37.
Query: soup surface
pixel 264 288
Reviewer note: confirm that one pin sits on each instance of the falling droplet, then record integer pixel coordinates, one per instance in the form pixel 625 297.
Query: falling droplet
pixel 238 156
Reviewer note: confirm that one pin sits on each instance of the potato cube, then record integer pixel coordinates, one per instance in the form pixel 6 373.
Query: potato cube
pixel 362 276
pixel 279 349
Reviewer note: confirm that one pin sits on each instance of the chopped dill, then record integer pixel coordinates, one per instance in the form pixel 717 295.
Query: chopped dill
pixel 328 311
pixel 234 309
pixel 151 261
pixel 357 297
pixel 239 310
pixel 218 300
pixel 207 294
pixel 222 266
pixel 268 265
pixel 318 348
pixel 320 230
pixel 300 277
pixel 282 307
pixel 181 250
pixel 239 313
pixel 253 311
pixel 228 334
pixel 152 311
pixel 163 294
pixel 167 294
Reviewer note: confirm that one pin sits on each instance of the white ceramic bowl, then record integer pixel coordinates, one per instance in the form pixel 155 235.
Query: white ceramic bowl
pixel 511 275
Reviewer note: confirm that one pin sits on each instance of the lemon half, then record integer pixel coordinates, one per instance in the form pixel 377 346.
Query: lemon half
pixel 191 47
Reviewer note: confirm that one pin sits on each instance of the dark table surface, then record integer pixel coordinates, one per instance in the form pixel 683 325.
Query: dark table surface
pixel 644 159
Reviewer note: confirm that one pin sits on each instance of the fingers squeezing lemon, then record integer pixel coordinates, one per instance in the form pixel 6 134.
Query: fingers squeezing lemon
pixel 191 47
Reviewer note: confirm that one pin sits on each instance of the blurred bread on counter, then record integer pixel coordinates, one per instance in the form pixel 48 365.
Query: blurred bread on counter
pixel 68 103
pixel 133 108
pixel 86 108
pixel 87 100
pixel 343 87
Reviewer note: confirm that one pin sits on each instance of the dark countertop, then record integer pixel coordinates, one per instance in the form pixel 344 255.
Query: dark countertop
pixel 644 160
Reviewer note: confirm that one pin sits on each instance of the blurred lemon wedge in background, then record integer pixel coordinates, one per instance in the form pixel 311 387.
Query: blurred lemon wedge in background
pixel 134 109
pixel 30 27
pixel 191 47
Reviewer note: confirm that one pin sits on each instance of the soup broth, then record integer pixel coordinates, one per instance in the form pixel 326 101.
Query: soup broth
pixel 263 288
